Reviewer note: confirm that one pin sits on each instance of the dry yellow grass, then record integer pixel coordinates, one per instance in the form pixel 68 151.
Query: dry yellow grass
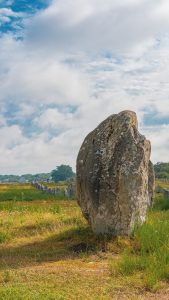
pixel 4 186
pixel 48 252
pixel 162 183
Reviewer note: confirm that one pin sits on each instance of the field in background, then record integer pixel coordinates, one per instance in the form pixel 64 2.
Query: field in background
pixel 26 192
pixel 162 183
pixel 48 252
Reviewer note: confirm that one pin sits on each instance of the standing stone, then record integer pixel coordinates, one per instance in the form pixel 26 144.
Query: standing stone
pixel 115 178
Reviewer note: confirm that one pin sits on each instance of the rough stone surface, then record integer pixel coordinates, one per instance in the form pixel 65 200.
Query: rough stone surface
pixel 115 178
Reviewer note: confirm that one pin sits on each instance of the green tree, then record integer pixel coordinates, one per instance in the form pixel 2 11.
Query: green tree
pixel 161 170
pixel 62 173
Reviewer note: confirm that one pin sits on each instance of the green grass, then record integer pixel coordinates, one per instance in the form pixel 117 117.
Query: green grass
pixel 161 203
pixel 14 206
pixel 24 193
pixel 47 251
pixel 4 236
pixel 149 253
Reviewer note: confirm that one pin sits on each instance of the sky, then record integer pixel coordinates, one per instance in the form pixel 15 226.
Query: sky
pixel 66 65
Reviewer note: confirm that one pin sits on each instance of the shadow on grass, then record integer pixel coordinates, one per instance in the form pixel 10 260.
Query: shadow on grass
pixel 66 245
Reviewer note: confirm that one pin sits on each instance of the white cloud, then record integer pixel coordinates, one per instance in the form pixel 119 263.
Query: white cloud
pixel 78 25
pixel 10 136
pixel 160 142
pixel 61 84
pixel 25 110
pixel 2 120
pixel 52 118
pixel 6 14
pixel 20 155
pixel 26 76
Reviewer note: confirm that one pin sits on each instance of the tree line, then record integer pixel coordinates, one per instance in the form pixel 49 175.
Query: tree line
pixel 161 170
pixel 60 173
pixel 64 172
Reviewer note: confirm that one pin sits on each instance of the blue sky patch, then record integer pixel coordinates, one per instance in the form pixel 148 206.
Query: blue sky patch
pixel 12 115
pixel 152 119
pixel 22 8
pixel 27 6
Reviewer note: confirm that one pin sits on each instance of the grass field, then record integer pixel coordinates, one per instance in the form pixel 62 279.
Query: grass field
pixel 48 252
pixel 25 192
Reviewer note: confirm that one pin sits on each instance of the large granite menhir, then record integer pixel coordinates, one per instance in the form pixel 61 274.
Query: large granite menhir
pixel 115 178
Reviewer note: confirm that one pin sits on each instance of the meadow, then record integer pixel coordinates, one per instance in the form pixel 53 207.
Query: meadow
pixel 21 192
pixel 48 252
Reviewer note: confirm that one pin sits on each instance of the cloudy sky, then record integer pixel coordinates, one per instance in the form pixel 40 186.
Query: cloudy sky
pixel 65 65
